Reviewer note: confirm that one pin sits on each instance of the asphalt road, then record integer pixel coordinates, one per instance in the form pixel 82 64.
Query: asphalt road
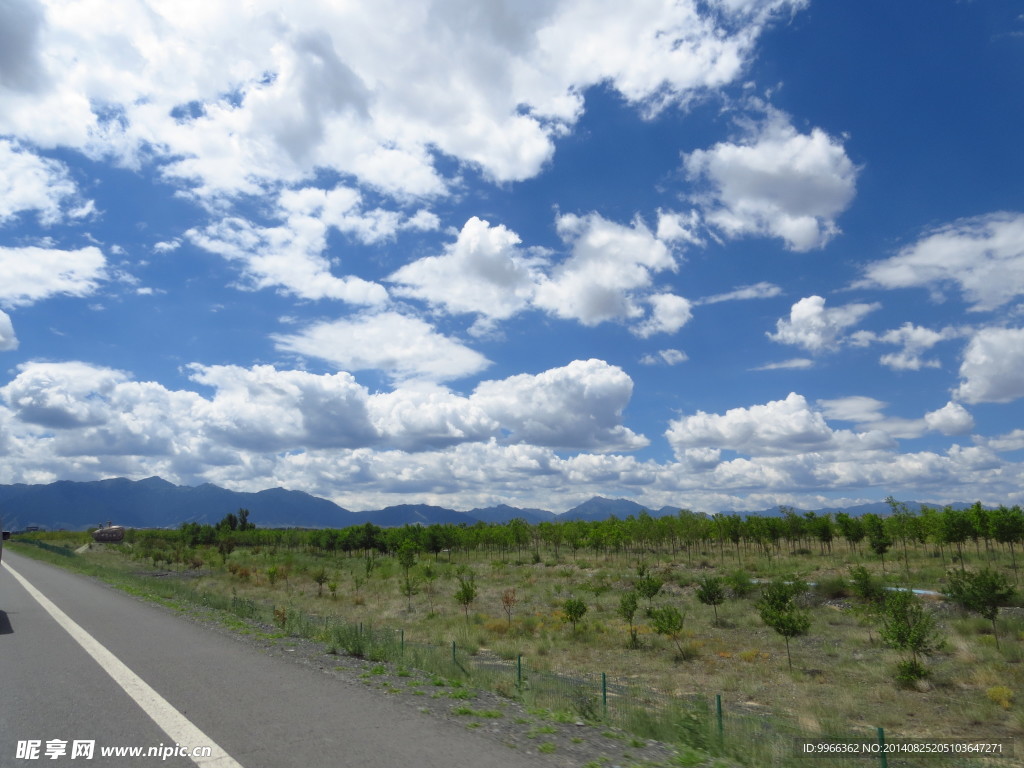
pixel 260 712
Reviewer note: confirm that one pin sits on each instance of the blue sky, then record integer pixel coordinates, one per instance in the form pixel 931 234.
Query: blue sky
pixel 721 255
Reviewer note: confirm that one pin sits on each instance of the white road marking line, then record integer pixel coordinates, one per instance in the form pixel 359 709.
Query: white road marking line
pixel 178 727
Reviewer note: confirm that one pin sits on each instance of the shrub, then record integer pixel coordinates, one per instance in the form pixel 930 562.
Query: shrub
pixel 280 616
pixel 496 627
pixel 1001 695
pixel 740 583
pixel 909 671
pixel 865 586
pixel 833 587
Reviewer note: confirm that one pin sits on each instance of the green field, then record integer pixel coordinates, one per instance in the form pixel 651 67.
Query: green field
pixel 554 599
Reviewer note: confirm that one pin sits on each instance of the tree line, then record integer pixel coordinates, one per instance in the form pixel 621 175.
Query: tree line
pixel 950 533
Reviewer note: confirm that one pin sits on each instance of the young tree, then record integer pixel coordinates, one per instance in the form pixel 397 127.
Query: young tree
pixel 407 559
pixel 647 585
pixel 430 575
pixel 320 577
pixel 981 592
pixel 778 609
pixel 878 538
pixel 908 626
pixel 508 603
pixel 1008 528
pixel 574 610
pixel 850 528
pixel 956 527
pixel 711 591
pixel 668 621
pixel 466 594
pixel 627 610
pixel 902 523
pixel 870 594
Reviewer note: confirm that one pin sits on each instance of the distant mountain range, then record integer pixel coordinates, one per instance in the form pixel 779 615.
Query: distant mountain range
pixel 156 503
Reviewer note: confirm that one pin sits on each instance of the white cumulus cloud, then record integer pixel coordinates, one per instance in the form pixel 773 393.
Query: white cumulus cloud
pixel 777 428
pixel 914 341
pixel 609 271
pixel 263 409
pixel 950 419
pixel 232 98
pixel 982 256
pixel 76 414
pixel 816 328
pixel 62 395
pixel 868 414
pixel 403 347
pixel 31 274
pixel 992 370
pixel 8 341
pixel 484 271
pixel 29 182
pixel 776 183
pixel 579 405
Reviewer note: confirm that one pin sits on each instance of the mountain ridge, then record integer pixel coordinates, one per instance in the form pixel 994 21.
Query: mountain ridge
pixel 157 503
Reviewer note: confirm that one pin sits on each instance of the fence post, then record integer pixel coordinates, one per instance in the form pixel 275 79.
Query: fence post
pixel 401 642
pixel 718 713
pixel 604 693
pixel 881 752
pixel 519 671
pixel 454 661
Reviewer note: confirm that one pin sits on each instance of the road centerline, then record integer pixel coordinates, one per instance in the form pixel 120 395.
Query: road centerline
pixel 177 727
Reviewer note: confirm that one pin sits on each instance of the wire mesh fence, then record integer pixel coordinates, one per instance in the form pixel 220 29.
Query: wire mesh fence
pixel 703 722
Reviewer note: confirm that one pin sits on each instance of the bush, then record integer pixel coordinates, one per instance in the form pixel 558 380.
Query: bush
pixel 833 587
pixel 1001 695
pixel 740 583
pixel 909 671
pixel 865 586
